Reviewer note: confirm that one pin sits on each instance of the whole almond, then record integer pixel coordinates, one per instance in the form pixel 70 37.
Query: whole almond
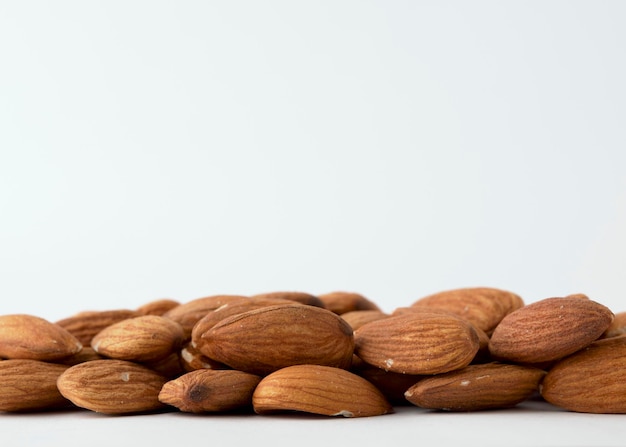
pixel 484 307
pixel 417 343
pixel 341 302
pixel 264 340
pixel 85 325
pixel 112 387
pixel 30 337
pixel 592 380
pixel 207 390
pixel 158 307
pixel 27 385
pixel 142 339
pixel 549 330
pixel 476 387
pixel 300 297
pixel 320 390
pixel 357 318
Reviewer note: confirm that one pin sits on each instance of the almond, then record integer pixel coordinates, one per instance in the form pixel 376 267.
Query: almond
pixel 300 297
pixel 548 330
pixel 592 380
pixel 112 387
pixel 158 307
pixel 391 384
pixel 417 343
pixel 85 325
pixel 320 390
pixel 484 307
pixel 617 326
pixel 341 302
pixel 30 337
pixel 192 359
pixel 476 387
pixel 142 339
pixel 206 390
pixel 27 385
pixel 357 318
pixel 264 340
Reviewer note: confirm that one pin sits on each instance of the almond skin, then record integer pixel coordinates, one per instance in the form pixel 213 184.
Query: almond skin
pixel 158 307
pixel 476 387
pixel 341 302
pixel 417 343
pixel 207 390
pixel 593 380
pixel 320 390
pixel 30 337
pixel 143 339
pixel 85 325
pixel 300 297
pixel 484 307
pixel 28 385
pixel 112 387
pixel 548 330
pixel 357 318
pixel 264 340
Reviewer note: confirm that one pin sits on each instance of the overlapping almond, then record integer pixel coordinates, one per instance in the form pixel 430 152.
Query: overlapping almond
pixel 334 354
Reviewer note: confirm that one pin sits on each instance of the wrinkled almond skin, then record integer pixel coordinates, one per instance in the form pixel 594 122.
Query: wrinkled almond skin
pixel 264 340
pixel 29 385
pixel 30 337
pixel 484 307
pixel 548 330
pixel 593 380
pixel 357 318
pixel 112 387
pixel 299 297
pixel 158 307
pixel 476 387
pixel 207 390
pixel 341 302
pixel 85 325
pixel 142 339
pixel 417 343
pixel 320 390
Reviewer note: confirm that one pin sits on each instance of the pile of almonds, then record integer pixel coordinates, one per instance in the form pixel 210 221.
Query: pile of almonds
pixel 335 354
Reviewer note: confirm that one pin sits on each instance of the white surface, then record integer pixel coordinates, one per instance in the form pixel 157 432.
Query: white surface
pixel 183 149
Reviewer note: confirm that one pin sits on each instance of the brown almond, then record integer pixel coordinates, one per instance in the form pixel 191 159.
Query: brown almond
pixel 158 307
pixel 341 302
pixel 206 390
pixel 299 297
pixel 357 318
pixel 484 307
pixel 85 325
pixel 417 343
pixel 30 337
pixel 264 340
pixel 87 354
pixel 476 387
pixel 549 330
pixel 617 326
pixel 28 385
pixel 391 384
pixel 142 339
pixel 112 387
pixel 320 390
pixel 191 359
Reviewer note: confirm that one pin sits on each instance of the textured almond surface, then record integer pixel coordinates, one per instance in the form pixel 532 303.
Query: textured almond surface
pixel 85 325
pixel 549 330
pixel 476 387
pixel 112 387
pixel 158 307
pixel 300 297
pixel 320 390
pixel 592 380
pixel 417 343
pixel 341 302
pixel 30 337
pixel 267 339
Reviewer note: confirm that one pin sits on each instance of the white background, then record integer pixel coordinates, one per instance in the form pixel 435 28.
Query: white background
pixel 154 149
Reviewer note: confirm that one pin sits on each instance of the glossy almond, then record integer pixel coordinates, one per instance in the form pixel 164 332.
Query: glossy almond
pixel 476 387
pixel 142 339
pixel 30 337
pixel 112 387
pixel 264 340
pixel 592 380
pixel 417 343
pixel 549 330
pixel 85 325
pixel 341 302
pixel 27 385
pixel 207 390
pixel 484 307
pixel 320 390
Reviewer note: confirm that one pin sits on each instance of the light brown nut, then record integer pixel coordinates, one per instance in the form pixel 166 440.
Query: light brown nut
pixel 207 390
pixel 417 343
pixel 191 359
pixel 592 380
pixel 189 313
pixel 341 302
pixel 112 387
pixel 28 385
pixel 158 307
pixel 484 307
pixel 264 340
pixel 477 387
pixel 357 318
pixel 617 326
pixel 142 339
pixel 320 390
pixel 30 337
pixel 85 325
pixel 299 297
pixel 548 330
